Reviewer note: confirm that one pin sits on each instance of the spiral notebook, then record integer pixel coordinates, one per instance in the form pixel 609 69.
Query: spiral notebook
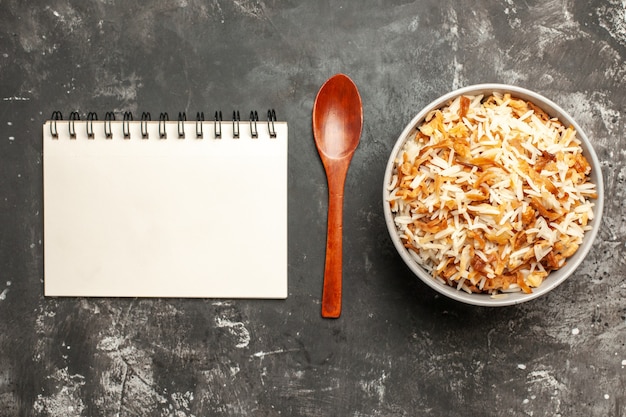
pixel 160 208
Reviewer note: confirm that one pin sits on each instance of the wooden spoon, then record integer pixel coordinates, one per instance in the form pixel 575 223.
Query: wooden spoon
pixel 337 124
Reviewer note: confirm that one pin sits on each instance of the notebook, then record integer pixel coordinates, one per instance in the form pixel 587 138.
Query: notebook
pixel 160 208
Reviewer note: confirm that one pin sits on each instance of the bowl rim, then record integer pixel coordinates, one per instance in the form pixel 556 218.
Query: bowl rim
pixel 555 278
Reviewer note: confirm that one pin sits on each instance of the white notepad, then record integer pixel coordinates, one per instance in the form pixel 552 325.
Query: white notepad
pixel 128 216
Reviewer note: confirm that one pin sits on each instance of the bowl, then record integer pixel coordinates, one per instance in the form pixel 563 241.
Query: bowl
pixel 555 277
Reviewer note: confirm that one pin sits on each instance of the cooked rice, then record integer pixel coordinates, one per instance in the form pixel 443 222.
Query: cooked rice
pixel 491 194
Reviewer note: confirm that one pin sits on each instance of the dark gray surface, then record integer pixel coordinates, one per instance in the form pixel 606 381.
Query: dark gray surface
pixel 398 349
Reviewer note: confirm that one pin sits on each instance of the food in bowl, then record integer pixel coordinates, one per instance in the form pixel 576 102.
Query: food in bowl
pixel 491 194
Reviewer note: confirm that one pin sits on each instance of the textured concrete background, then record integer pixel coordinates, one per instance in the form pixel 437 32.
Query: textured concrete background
pixel 398 349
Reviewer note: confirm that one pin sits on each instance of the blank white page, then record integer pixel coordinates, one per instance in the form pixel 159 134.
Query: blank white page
pixel 165 217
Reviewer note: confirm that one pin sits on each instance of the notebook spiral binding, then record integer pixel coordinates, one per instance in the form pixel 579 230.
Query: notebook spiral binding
pixel 127 117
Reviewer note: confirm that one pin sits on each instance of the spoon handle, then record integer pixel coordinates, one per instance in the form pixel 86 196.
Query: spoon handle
pixel 331 293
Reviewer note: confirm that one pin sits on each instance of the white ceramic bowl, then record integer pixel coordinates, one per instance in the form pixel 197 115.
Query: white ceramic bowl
pixel 555 277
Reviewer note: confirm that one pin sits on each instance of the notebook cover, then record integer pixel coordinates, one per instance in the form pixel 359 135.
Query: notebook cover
pixel 165 217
